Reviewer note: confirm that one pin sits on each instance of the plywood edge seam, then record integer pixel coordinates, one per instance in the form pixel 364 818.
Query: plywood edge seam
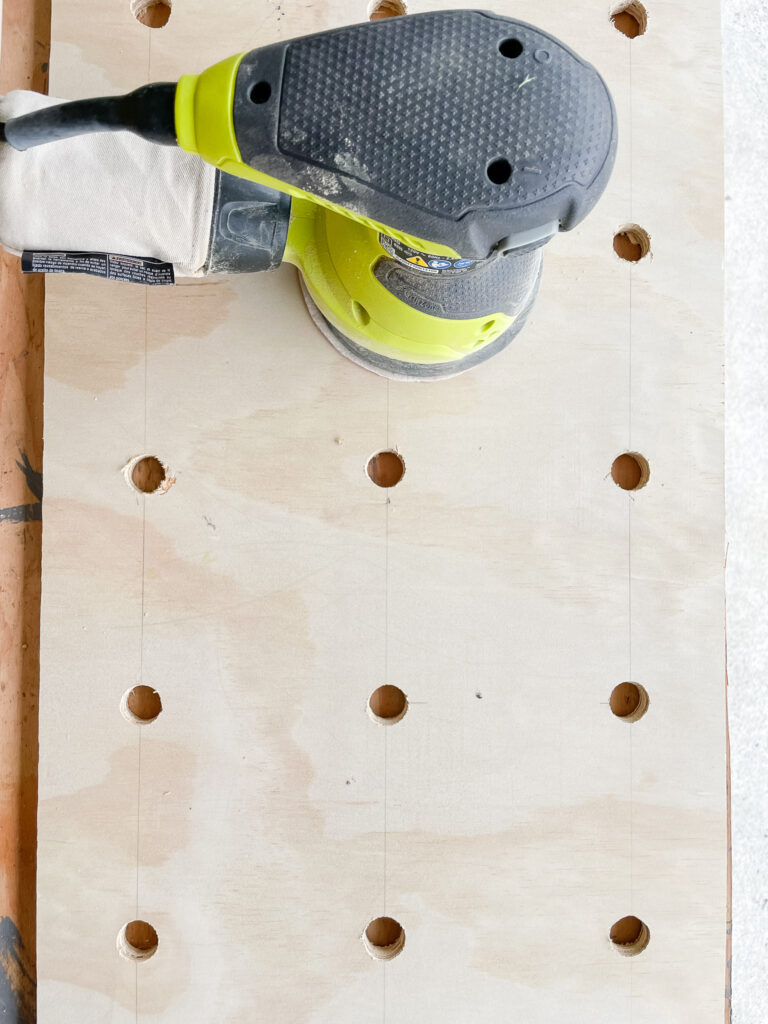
pixel 24 52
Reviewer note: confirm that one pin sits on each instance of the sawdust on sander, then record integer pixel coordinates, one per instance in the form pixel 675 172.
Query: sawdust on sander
pixel 325 329
pixel 392 369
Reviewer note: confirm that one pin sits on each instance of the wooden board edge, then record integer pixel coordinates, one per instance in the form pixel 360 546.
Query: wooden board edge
pixel 26 34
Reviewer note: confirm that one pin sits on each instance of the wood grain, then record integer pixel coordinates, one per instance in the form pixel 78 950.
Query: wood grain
pixel 23 64
pixel 505 584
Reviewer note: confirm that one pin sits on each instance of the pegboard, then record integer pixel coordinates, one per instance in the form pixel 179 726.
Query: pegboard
pixel 535 804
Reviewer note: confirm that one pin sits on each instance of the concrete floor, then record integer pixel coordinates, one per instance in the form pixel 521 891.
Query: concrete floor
pixel 745 42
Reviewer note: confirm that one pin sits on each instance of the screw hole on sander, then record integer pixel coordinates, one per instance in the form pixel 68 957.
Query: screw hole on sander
pixel 630 936
pixel 632 243
pixel 380 9
pixel 386 468
pixel 511 48
pixel 141 705
pixel 630 471
pixel 137 941
pixel 384 938
pixel 499 171
pixel 387 705
pixel 629 701
pixel 260 92
pixel 152 13
pixel 630 19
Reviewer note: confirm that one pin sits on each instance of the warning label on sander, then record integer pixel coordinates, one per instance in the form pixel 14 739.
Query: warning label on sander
pixel 113 266
pixel 424 261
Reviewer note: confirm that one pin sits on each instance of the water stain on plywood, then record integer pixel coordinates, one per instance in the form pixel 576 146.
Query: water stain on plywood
pixel 521 883
pixel 234 768
pixel 190 310
pixel 105 811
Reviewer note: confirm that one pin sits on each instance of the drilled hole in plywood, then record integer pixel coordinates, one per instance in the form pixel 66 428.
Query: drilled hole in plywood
pixel 137 941
pixel 630 19
pixel 380 9
pixel 630 936
pixel 148 475
pixel 384 938
pixel 632 243
pixel 386 468
pixel 630 471
pixel 141 705
pixel 152 13
pixel 629 701
pixel 387 705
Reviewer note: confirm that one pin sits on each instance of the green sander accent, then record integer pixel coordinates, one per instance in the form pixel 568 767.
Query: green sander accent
pixel 412 169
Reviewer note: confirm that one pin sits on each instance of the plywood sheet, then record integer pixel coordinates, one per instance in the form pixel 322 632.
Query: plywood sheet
pixel 507 585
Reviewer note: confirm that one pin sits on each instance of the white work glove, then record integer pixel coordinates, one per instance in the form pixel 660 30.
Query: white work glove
pixel 104 193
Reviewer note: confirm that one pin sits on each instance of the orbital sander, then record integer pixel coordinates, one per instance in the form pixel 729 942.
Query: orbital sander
pixel 412 168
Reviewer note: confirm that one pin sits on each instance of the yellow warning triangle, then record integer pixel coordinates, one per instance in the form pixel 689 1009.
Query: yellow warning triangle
pixel 417 260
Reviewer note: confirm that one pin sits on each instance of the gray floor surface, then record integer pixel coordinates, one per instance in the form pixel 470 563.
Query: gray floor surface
pixel 745 72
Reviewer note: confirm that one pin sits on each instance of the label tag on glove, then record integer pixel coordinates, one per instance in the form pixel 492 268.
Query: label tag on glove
pixel 113 266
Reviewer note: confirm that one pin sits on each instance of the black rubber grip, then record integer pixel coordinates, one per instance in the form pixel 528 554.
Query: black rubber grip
pixel 503 285
pixel 460 127
pixel 148 112
pixel 249 226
